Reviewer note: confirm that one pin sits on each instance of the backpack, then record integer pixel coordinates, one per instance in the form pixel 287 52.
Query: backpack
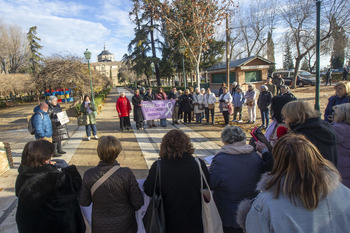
pixel 31 128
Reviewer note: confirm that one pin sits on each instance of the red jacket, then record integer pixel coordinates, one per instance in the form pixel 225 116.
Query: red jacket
pixel 123 106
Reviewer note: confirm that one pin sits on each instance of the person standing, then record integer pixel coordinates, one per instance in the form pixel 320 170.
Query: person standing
pixel 180 180
pixel 173 95
pixel 235 161
pixel 161 96
pixel 180 115
pixel 198 105
pixel 225 99
pixel 345 74
pixel 186 106
pixel 270 86
pixel 329 77
pixel 278 81
pixel 123 108
pixel 264 103
pixel 285 90
pixel 341 126
pixel 137 102
pixel 342 95
pixel 47 192
pixel 88 109
pixel 203 113
pixel 238 103
pixel 234 88
pixel 209 106
pixel 250 97
pixel 150 96
pixel 59 132
pixel 42 123
pixel 115 201
pixel 221 90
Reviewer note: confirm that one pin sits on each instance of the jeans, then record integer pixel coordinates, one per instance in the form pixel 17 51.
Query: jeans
pixel 237 110
pixel 198 118
pixel 226 117
pixel 150 123
pixel 124 122
pixel 187 117
pixel 88 131
pixel 207 110
pixel 252 113
pixel 265 117
pixel 58 146
pixel 163 122
pixel 175 115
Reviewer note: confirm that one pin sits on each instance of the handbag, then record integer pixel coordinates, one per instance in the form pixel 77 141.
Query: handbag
pixel 154 219
pixel 210 215
pixel 230 108
pixel 81 120
pixel 211 106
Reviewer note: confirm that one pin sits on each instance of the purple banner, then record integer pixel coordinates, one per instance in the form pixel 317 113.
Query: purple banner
pixel 157 109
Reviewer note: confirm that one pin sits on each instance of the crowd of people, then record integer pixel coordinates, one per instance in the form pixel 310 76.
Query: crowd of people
pixel 294 178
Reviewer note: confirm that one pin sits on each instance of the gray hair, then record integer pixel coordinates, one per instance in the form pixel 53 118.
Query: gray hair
pixel 235 83
pixel 232 134
pixel 343 112
pixel 52 98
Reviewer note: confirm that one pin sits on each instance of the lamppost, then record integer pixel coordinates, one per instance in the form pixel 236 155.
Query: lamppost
pixel 152 67
pixel 183 50
pixel 87 55
pixel 318 19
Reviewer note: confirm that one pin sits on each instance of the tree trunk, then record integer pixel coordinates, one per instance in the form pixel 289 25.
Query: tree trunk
pixel 296 69
pixel 154 55
pixel 198 75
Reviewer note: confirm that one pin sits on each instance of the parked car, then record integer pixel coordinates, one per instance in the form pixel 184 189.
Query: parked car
pixel 303 78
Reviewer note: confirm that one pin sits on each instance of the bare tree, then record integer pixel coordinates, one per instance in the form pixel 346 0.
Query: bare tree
pixel 299 16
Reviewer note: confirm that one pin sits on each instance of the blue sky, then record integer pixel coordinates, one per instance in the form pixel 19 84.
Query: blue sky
pixel 72 26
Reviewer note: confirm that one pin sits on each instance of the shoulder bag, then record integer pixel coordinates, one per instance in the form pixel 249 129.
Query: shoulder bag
pixel 154 219
pixel 210 215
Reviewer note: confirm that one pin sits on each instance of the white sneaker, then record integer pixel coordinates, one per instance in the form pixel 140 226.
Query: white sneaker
pixel 88 138
pixel 96 137
pixel 240 121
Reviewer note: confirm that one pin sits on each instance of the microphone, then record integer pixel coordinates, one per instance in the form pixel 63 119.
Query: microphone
pixel 281 131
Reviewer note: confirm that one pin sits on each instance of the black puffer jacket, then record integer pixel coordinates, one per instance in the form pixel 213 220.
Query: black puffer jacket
pixel 48 200
pixel 186 103
pixel 114 202
pixel 59 132
pixel 321 134
pixel 264 100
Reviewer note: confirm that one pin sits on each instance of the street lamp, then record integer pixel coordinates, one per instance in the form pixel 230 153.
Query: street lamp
pixel 183 50
pixel 318 20
pixel 152 68
pixel 87 55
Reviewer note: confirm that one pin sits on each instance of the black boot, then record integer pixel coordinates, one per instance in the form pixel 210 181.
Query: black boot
pixel 59 148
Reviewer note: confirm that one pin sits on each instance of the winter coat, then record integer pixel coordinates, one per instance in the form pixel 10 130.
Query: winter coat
pixel 234 162
pixel 289 93
pixel 59 132
pixel 221 91
pixel 271 88
pixel 115 201
pixel 136 101
pixel 186 103
pixel 343 132
pixel 238 100
pixel 149 97
pixel 234 89
pixel 48 200
pixel 41 123
pixel 174 96
pixel 123 107
pixel 264 100
pixel 278 82
pixel 209 99
pixel 250 96
pixel 161 96
pixel 269 214
pixel 333 101
pixel 224 100
pixel 198 102
pixel 89 118
pixel 181 193
pixel 321 134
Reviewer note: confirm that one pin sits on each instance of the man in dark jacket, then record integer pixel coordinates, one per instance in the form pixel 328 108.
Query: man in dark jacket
pixel 42 123
pixel 345 74
pixel 264 103
pixel 174 95
pixel 278 81
pixel 329 77
pixel 149 96
pixel 59 132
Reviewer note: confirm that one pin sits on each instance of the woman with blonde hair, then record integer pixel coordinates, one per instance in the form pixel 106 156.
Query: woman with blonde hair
pixel 341 125
pixel 301 118
pixel 180 183
pixel 302 193
pixel 342 96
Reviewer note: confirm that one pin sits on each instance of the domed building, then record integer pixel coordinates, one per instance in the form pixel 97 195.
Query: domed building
pixel 105 56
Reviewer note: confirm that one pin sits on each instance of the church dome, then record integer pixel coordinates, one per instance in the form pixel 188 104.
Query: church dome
pixel 105 56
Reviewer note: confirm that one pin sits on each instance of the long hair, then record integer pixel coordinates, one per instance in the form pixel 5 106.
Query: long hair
pixel 299 171
pixel 298 111
pixel 175 144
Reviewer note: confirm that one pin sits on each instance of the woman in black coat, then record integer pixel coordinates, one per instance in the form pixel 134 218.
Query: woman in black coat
pixel 137 102
pixel 59 132
pixel 47 197
pixel 180 183
pixel 186 106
